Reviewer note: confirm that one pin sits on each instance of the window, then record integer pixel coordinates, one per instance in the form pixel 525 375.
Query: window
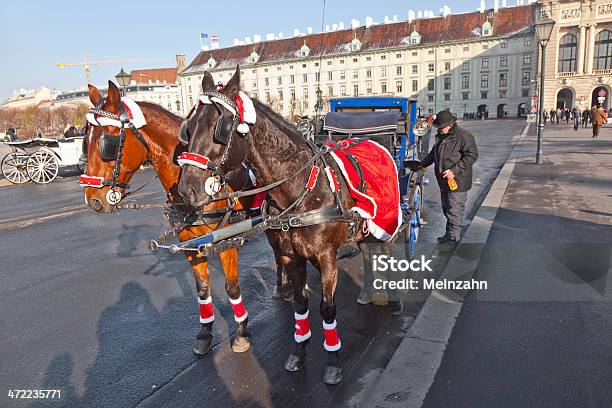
pixel 290 66
pixel 280 80
pixel 293 94
pixel 342 61
pixel 267 81
pixel 280 94
pixel 278 68
pixel 527 43
pixel 383 57
pixel 526 78
pixel 383 87
pixel 398 86
pixel 431 85
pixel 430 98
pixel 355 90
pixel 465 96
pixel 447 97
pixel 292 79
pixel 484 63
pixel 368 58
pixel 431 52
pixel 189 88
pixel 355 59
pixel 430 67
pixel 398 70
pixel 504 45
pixel 342 75
pixel 466 49
pixel 602 58
pixel 465 82
pixel 465 66
pixel 398 55
pixel 267 97
pixel 305 104
pixel 525 92
pixel 355 74
pixel 369 88
pixel 502 93
pixel 330 91
pixel 329 62
pixel 527 58
pixel 503 79
pixel 254 84
pixel 415 85
pixel 484 81
pixel 484 95
pixel 485 47
pixel 330 76
pixel 447 83
pixel 304 78
pixel 265 69
pixel 368 73
pixel 303 65
pixel 415 53
pixel 383 72
pixel 305 93
pixel 317 76
pixel 447 66
pixel 343 90
pixel 415 69
pixel 503 61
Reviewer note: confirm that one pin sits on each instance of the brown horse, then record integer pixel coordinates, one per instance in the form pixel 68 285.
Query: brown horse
pixel 274 150
pixel 161 145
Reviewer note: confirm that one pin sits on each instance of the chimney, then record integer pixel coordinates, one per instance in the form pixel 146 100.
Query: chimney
pixel 411 15
pixel 269 36
pixel 368 21
pixel 180 62
pixel 419 14
pixel 354 23
pixel 296 32
pixel 247 40
pixel 395 18
pixel 495 6
pixel 280 36
pixel 309 30
pixel 236 42
pixel 327 28
pixel 483 6
pixel 256 38
pixel 504 3
pixel 341 25
pixel 334 27
pixel 386 21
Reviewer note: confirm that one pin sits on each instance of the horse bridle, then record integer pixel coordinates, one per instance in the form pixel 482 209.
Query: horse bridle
pixel 112 151
pixel 219 102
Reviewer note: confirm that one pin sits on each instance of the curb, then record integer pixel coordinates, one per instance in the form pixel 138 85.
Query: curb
pixel 413 367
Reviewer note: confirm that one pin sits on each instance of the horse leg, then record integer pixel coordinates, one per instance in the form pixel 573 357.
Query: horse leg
pixel 329 279
pixel 296 267
pixel 283 288
pixel 229 261
pixel 207 317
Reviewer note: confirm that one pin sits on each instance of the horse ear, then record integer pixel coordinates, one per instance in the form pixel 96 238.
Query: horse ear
pixel 208 83
pixel 94 95
pixel 113 99
pixel 233 85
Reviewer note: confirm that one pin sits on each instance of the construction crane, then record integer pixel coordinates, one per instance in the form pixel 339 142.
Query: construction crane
pixel 86 64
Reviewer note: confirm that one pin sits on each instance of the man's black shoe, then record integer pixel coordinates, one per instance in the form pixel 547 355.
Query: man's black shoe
pixel 448 246
pixel 442 239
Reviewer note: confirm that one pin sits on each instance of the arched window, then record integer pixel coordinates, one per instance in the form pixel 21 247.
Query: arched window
pixel 567 53
pixel 603 50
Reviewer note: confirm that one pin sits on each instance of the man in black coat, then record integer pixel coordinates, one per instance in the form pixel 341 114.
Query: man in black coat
pixel 454 153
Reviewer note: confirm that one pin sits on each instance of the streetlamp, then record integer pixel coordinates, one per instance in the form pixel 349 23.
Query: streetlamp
pixel 178 105
pixel 319 104
pixel 543 28
pixel 123 78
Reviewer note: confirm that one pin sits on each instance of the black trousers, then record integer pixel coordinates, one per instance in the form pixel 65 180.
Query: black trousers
pixel 453 207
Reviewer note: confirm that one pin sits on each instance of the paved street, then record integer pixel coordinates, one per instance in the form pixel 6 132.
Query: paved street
pixel 88 310
pixel 540 336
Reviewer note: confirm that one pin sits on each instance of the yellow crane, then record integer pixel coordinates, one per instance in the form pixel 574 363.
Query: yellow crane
pixel 86 64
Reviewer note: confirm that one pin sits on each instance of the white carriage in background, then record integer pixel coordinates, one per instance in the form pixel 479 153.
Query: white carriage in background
pixel 40 159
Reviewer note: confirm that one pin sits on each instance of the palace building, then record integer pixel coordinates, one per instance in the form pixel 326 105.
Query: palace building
pixel 578 67
pixel 483 61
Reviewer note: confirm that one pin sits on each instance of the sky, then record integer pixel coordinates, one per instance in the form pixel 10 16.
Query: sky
pixel 35 35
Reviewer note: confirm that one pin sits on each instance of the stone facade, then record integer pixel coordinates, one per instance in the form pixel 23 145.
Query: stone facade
pixel 578 67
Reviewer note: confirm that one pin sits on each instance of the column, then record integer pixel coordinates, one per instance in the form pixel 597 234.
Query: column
pixel 580 51
pixel 590 49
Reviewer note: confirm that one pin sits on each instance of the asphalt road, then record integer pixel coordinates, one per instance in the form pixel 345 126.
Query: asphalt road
pixel 88 310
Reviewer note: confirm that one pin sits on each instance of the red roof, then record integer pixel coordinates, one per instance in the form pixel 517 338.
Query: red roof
pixel 454 27
pixel 143 76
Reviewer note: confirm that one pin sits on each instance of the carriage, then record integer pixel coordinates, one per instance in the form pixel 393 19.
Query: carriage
pixel 39 159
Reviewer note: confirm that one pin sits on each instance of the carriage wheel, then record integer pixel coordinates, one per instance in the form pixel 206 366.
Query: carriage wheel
pixel 412 230
pixel 42 167
pixel 14 168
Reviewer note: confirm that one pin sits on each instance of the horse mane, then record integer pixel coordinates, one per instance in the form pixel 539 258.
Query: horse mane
pixel 159 110
pixel 276 118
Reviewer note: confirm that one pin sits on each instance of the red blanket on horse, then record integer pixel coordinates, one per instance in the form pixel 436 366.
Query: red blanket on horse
pixel 380 204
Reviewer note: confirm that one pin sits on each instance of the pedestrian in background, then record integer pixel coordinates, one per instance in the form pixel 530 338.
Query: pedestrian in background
pixel 576 118
pixel 545 116
pixel 454 153
pixel 567 115
pixel 598 117
pixel 585 118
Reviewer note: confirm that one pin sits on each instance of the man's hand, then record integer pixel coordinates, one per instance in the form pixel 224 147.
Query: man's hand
pixel 448 174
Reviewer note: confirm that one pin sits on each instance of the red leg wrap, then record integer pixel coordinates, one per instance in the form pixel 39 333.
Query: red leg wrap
pixel 206 310
pixel 332 342
pixel 240 313
pixel 302 327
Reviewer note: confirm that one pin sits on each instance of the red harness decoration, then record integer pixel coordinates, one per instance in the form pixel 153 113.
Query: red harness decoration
pixel 312 179
pixel 240 313
pixel 91 181
pixel 331 177
pixel 207 314
pixel 193 159
pixel 302 327
pixel 332 342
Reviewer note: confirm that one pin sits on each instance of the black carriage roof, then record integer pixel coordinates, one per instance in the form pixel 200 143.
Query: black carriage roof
pixel 361 122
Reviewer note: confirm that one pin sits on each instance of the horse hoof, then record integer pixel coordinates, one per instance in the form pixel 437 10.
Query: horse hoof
pixel 380 299
pixel 241 344
pixel 294 363
pixel 333 375
pixel 276 292
pixel 200 350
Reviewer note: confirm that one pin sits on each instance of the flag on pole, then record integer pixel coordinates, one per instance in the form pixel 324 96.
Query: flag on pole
pixel 203 36
pixel 214 38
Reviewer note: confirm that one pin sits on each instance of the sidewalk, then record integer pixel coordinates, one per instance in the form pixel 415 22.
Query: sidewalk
pixel 541 334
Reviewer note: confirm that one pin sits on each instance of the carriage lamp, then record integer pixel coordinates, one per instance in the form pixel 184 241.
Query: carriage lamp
pixel 543 28
pixel 123 78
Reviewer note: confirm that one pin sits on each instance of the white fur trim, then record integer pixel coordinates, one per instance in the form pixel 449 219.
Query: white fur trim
pixel 241 318
pixel 236 301
pixel 301 316
pixel 205 301
pixel 361 211
pixel 299 339
pixel 250 116
pixel 207 100
pixel 332 348
pixel 207 320
pixel 243 128
pixel 134 111
pixel 183 162
pixel 329 326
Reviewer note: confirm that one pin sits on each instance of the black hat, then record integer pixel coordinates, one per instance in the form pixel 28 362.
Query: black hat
pixel 443 119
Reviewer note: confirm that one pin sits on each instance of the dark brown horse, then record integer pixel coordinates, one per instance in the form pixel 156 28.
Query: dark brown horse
pixel 161 146
pixel 274 150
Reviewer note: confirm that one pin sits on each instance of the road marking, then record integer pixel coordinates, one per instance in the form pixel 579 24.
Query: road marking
pixel 411 371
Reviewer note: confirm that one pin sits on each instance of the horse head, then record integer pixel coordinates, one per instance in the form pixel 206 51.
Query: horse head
pixel 216 140
pixel 111 162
